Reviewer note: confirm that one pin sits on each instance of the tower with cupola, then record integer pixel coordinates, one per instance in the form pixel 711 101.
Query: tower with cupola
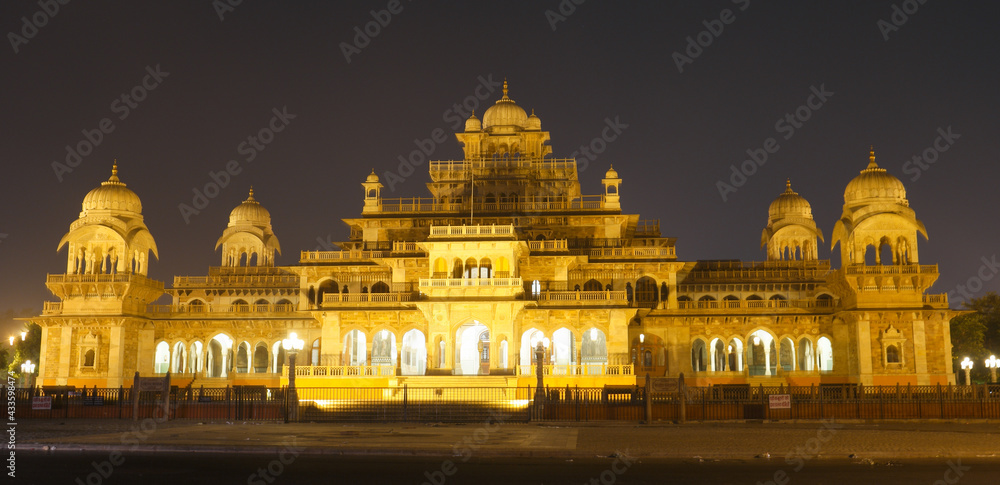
pixel 791 232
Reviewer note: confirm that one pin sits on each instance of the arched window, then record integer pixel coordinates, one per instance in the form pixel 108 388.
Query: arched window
pixel 260 358
pixel 699 356
pixel 824 354
pixel 89 358
pixel 592 285
pixel 892 354
pixel 314 353
pixel 380 287
pixel 243 358
pixel 162 362
pixel 240 306
pixel 328 286
pixel 786 355
pixel 485 268
pixel 664 292
pixel 646 294
pixel 440 268
pixel 805 354
pixel 536 288
pixel 196 306
pixel 471 268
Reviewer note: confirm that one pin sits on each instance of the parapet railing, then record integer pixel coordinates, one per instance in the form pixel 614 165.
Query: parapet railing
pixel 459 282
pixel 492 230
pixel 595 369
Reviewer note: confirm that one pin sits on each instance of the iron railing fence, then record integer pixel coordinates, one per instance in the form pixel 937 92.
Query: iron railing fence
pixel 256 403
pixel 519 404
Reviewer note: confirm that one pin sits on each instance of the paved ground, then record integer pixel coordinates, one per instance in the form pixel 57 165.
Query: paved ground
pixel 785 441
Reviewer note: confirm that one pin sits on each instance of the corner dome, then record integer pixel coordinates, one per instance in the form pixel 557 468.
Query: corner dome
pixel 112 195
pixel 473 123
pixel 789 204
pixel 533 123
pixel 505 113
pixel 874 183
pixel 250 212
pixel 611 173
pixel 372 178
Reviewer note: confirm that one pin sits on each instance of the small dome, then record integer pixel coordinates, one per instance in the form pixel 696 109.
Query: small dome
pixel 250 212
pixel 372 178
pixel 505 113
pixel 611 173
pixel 789 204
pixel 533 123
pixel 473 123
pixel 874 183
pixel 112 195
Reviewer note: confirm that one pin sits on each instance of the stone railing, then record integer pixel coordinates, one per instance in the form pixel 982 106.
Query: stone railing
pixel 196 309
pixel 757 304
pixel 633 252
pixel 583 296
pixel 548 245
pixel 349 298
pixel 103 278
pixel 460 282
pixel 341 371
pixel 579 370
pixel 465 231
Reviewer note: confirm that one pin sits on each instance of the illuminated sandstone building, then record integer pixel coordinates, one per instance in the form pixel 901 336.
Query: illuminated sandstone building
pixel 506 252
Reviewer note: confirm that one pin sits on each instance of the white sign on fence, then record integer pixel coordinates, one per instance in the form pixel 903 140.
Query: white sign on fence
pixel 41 402
pixel 780 401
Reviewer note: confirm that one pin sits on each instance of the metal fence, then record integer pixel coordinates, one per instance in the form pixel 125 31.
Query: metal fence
pixel 255 403
pixel 514 404
pixel 738 402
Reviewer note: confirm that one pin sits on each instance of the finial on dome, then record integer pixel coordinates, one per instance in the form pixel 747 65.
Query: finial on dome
pixel 114 174
pixel 871 157
pixel 250 197
pixel 788 186
pixel 505 87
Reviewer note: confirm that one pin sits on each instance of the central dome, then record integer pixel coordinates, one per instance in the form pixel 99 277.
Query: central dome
pixel 112 195
pixel 789 204
pixel 250 212
pixel 505 113
pixel 875 183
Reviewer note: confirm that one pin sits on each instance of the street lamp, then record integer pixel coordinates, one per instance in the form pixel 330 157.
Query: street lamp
pixel 292 345
pixel 24 335
pixel 967 367
pixel 27 372
pixel 992 363
pixel 540 346
pixel 11 340
pixel 642 357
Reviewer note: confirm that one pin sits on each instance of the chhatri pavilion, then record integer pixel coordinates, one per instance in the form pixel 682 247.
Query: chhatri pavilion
pixel 505 255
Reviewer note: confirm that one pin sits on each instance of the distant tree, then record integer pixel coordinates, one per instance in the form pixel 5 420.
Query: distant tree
pixel 977 335
pixel 28 349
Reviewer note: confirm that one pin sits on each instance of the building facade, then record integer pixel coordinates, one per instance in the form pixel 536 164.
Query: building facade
pixel 505 255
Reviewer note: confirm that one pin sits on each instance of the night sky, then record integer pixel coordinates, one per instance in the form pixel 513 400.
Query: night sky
pixel 220 80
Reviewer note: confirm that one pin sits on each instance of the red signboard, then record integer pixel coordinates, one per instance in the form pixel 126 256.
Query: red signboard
pixel 41 402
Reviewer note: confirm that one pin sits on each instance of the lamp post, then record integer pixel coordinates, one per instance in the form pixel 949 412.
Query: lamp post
pixel 27 373
pixel 992 363
pixel 540 347
pixel 24 335
pixel 292 345
pixel 11 340
pixel 967 367
pixel 642 356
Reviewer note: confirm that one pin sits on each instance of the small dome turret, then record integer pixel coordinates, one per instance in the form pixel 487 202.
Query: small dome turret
pixel 874 183
pixel 372 177
pixel 533 123
pixel 250 212
pixel 473 123
pixel 789 204
pixel 112 195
